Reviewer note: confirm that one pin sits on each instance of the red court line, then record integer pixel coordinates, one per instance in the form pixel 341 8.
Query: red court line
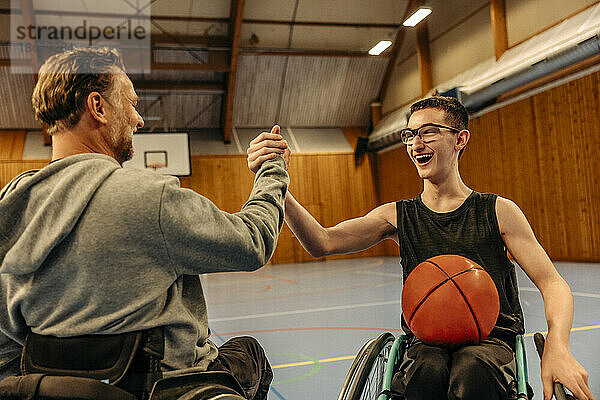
pixel 276 278
pixel 320 328
pixel 265 289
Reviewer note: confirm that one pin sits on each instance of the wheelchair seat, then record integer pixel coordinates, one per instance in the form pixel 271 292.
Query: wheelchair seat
pixel 109 367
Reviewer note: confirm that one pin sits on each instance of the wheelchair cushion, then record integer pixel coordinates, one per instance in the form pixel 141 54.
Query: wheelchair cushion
pixel 46 387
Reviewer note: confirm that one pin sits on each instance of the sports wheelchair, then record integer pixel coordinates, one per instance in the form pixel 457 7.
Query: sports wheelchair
pixel 109 367
pixel 371 372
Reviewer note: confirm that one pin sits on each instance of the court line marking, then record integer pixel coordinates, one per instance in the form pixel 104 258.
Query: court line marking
pixel 276 278
pixel 578 294
pixel 379 273
pixel 333 359
pixel 312 361
pixel 307 310
pixel 314 328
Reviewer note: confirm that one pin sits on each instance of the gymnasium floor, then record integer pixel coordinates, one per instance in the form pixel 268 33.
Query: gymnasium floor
pixel 312 318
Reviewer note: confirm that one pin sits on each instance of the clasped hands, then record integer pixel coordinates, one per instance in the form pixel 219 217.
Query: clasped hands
pixel 266 146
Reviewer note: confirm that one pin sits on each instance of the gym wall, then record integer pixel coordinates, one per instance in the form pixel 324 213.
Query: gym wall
pixel 543 153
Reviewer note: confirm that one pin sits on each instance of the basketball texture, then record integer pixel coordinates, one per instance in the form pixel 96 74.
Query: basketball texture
pixel 449 300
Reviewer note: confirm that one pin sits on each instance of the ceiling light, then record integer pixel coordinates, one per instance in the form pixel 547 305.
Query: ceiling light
pixel 417 16
pixel 151 118
pixel 380 47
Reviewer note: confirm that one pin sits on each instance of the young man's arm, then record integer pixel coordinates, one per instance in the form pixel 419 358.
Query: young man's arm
pixel 558 364
pixel 346 237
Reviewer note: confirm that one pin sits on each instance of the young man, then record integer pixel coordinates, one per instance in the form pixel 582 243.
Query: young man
pixel 428 225
pixel 88 247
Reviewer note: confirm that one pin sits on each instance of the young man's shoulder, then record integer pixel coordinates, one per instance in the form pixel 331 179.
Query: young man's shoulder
pixel 385 212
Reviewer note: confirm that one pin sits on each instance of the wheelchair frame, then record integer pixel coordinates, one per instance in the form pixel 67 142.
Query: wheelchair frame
pixel 387 350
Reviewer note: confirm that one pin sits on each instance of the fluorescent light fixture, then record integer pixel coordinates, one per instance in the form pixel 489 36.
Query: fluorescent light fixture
pixel 380 47
pixel 151 118
pixel 417 16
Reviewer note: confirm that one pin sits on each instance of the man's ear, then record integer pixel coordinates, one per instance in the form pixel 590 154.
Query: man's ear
pixel 96 105
pixel 462 138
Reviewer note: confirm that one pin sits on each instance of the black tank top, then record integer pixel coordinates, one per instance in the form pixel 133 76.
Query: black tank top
pixel 470 231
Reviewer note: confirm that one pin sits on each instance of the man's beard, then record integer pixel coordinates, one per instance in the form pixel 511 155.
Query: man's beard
pixel 122 143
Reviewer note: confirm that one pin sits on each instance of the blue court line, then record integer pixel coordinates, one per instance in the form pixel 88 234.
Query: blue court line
pixel 277 393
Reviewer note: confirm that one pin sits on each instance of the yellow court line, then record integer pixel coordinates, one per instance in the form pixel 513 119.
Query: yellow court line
pixel 581 328
pixel 298 364
pixel 326 360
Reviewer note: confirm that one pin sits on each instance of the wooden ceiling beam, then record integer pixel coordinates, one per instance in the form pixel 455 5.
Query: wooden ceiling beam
pixel 424 58
pixel 7 62
pixel 498 16
pixel 220 20
pixel 237 15
pixel 168 85
pixel 190 67
pixel 330 24
pixel 208 42
pixel 396 46
pixel 305 52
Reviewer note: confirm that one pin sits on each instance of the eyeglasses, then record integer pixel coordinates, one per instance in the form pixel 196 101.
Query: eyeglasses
pixel 427 132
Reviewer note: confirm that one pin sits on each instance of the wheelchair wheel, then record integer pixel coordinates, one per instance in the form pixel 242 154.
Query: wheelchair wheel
pixel 365 378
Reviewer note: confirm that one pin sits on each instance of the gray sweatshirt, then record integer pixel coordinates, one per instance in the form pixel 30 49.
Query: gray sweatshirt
pixel 89 247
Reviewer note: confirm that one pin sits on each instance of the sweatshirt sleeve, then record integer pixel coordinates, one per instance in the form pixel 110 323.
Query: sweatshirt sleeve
pixel 10 353
pixel 201 238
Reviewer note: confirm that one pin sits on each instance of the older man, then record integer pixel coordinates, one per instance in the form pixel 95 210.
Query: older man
pixel 91 248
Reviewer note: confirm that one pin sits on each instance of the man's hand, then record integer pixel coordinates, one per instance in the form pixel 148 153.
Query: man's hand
pixel 266 146
pixel 559 365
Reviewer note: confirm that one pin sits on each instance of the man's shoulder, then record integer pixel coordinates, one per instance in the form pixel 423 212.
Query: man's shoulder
pixel 140 181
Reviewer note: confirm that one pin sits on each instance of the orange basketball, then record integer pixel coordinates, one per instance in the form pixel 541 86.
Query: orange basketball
pixel 450 300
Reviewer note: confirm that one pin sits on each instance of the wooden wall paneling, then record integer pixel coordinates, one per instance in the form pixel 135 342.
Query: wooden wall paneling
pixel 352 135
pixel 551 234
pixel 397 176
pixel 12 144
pixel 588 113
pixel 15 109
pixel 569 151
pixel 11 168
pixel 520 165
pixel 397 179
